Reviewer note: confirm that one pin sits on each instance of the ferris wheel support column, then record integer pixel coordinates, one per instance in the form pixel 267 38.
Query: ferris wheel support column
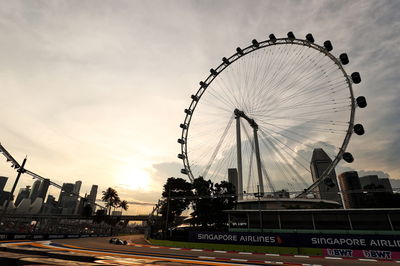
pixel 258 158
pixel 239 188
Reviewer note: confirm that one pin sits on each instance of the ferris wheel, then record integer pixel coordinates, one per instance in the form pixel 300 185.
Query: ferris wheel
pixel 264 109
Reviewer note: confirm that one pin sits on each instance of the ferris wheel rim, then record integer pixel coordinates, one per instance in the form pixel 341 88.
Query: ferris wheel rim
pixel 248 50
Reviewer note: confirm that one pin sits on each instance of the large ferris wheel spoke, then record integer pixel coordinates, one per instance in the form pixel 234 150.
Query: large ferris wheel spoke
pixel 286 161
pixel 214 154
pixel 285 147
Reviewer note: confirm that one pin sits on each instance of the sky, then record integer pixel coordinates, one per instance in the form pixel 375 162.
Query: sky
pixel 95 90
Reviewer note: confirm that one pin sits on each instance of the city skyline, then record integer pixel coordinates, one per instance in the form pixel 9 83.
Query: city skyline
pixel 97 92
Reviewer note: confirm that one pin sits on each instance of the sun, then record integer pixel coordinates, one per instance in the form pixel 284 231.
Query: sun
pixel 134 178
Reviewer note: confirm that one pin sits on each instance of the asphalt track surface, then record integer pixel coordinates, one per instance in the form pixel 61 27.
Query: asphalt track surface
pixel 139 252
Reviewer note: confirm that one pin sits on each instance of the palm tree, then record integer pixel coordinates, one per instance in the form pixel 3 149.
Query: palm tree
pixel 123 205
pixel 111 198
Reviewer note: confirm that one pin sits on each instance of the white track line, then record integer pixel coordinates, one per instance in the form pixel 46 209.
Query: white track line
pixel 333 258
pixel 204 257
pixel 301 256
pixel 368 260
pixel 220 251
pixel 245 253
pixel 239 260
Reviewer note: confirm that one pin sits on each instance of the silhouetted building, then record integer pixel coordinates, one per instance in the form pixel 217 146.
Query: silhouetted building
pixel 372 182
pixel 67 200
pixel 35 190
pixel 43 188
pixel 92 197
pixel 22 194
pixel 281 194
pixel 4 196
pixel 3 182
pixel 351 189
pixel 77 188
pixel 50 207
pixel 327 189
pixel 233 178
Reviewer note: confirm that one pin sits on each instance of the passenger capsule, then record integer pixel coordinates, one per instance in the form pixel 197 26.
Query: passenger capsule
pixel 184 171
pixel 356 78
pixel 255 43
pixel 328 45
pixel 239 51
pixel 181 141
pixel 184 126
pixel 213 72
pixel 361 102
pixel 272 37
pixel 226 61
pixel 203 84
pixel 344 59
pixel 310 38
pixel 359 129
pixel 187 111
pixel 181 156
pixel 194 97
pixel 348 157
pixel 291 35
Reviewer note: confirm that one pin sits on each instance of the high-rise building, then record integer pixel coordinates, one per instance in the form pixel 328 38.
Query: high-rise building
pixel 22 194
pixel 233 178
pixel 3 182
pixel 351 189
pixel 92 197
pixel 44 187
pixel 327 189
pixel 35 190
pixel 372 181
pixel 77 187
pixel 4 196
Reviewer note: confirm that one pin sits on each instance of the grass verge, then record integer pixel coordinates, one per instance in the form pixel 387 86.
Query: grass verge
pixel 242 248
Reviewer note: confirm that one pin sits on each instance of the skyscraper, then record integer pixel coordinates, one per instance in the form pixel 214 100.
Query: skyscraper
pixel 3 182
pixel 351 189
pixel 233 178
pixel 35 190
pixel 92 197
pixel 22 194
pixel 44 187
pixel 328 189
pixel 77 187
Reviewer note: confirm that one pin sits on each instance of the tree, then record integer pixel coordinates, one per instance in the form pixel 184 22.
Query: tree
pixel 224 199
pixel 111 198
pixel 202 203
pixel 123 205
pixel 210 200
pixel 176 193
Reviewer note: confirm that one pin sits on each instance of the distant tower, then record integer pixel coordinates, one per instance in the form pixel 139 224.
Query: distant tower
pixel 35 190
pixel 44 187
pixel 351 189
pixel 77 187
pixel 328 189
pixel 233 178
pixel 92 197
pixel 22 194
pixel 3 182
